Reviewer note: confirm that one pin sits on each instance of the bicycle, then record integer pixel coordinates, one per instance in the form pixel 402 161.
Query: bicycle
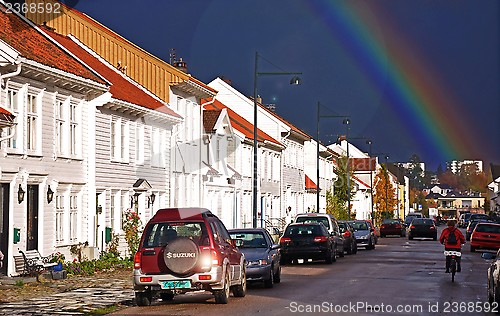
pixel 453 262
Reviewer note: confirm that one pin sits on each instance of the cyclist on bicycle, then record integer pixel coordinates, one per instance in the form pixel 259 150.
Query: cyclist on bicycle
pixel 457 246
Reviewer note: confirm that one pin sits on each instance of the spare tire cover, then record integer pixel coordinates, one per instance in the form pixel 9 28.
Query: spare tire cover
pixel 181 255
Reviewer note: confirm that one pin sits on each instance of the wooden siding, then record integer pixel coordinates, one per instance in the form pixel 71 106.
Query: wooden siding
pixel 150 71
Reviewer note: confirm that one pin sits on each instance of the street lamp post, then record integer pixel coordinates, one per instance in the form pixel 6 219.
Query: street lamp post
pixel 369 142
pixel 319 116
pixel 347 122
pixel 295 81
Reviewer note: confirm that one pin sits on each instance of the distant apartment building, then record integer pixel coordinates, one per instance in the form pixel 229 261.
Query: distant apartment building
pixel 455 165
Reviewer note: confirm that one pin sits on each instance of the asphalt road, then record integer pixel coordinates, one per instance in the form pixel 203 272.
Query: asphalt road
pixel 399 277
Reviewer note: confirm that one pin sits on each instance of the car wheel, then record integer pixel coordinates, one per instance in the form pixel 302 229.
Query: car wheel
pixel 410 237
pixel 222 296
pixel 472 249
pixel 241 289
pixel 277 275
pixel 349 249
pixel 284 260
pixel 355 248
pixel 382 235
pixel 269 282
pixel 434 238
pixel 167 296
pixel 143 298
pixel 341 253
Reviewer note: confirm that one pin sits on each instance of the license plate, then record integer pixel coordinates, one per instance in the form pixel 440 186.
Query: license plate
pixel 170 285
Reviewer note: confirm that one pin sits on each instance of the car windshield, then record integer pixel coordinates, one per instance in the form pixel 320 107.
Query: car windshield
pixel 314 219
pixel 250 239
pixel 360 225
pixel 303 230
pixel 160 234
pixel 485 228
pixel 479 216
pixel 422 221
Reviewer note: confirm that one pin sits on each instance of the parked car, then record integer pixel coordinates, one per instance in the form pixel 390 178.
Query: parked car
pixel 350 245
pixel 187 249
pixel 472 224
pixel 310 240
pixel 326 219
pixel 392 227
pixel 422 227
pixel 485 236
pixel 410 216
pixel 261 253
pixel 463 220
pixel 476 216
pixel 493 276
pixel 364 233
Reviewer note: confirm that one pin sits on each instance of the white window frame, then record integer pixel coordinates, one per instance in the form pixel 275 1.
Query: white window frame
pixel 73 217
pixel 139 144
pixel 119 138
pixel 59 220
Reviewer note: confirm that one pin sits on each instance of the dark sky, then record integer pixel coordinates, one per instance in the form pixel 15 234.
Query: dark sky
pixel 415 76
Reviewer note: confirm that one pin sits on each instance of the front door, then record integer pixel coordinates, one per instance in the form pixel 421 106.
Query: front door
pixel 4 225
pixel 32 223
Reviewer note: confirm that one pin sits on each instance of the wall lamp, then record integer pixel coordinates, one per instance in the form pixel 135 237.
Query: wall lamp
pixel 20 194
pixel 151 200
pixel 50 195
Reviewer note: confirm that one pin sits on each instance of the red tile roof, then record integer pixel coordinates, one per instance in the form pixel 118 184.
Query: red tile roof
pixel 209 119
pixel 33 45
pixel 121 87
pixel 242 125
pixel 310 185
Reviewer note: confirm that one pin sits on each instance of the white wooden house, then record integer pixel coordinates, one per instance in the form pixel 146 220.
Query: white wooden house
pixel 44 157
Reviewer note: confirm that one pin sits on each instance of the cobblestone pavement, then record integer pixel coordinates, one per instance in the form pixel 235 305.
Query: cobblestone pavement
pixel 70 299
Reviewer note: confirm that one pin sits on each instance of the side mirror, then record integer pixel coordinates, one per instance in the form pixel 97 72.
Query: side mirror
pixel 275 246
pixel 488 255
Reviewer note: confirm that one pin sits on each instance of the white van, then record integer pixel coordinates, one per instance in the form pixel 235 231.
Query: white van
pixel 410 216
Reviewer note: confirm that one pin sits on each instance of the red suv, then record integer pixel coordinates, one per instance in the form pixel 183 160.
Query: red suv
pixel 187 249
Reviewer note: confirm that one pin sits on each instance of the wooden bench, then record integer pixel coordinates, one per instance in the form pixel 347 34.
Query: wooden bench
pixel 32 263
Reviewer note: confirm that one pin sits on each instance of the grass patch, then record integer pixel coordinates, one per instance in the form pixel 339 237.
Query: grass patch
pixel 103 310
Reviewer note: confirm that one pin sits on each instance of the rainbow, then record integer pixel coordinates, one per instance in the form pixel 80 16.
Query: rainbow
pixel 414 91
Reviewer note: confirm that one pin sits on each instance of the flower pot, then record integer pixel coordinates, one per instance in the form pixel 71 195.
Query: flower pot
pixel 58 267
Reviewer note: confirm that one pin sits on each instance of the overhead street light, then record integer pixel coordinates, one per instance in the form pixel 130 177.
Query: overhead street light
pixel 318 118
pixel 295 80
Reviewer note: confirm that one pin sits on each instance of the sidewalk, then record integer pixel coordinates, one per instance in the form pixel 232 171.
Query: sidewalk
pixel 75 295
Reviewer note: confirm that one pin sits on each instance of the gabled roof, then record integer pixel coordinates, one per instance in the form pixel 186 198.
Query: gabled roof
pixel 241 125
pixel 122 87
pixel 209 119
pixel 495 171
pixel 33 45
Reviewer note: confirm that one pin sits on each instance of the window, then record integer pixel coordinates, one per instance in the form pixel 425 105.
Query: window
pixel 73 217
pixel 59 218
pixel 31 122
pixel 74 129
pixel 158 143
pixel 60 123
pixel 13 95
pixel 119 140
pixel 139 143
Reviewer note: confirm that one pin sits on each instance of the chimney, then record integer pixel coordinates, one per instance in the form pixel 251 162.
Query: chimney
pixel 259 99
pixel 181 65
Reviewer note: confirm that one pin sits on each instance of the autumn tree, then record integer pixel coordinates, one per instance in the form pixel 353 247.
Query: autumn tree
pixel 337 198
pixel 384 199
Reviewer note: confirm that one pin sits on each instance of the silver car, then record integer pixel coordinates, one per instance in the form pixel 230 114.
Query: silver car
pixel 364 233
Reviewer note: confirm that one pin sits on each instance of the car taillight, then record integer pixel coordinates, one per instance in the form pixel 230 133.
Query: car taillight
pixel 137 260
pixel 347 234
pixel 398 226
pixel 285 239
pixel 412 226
pixel 146 279
pixel 209 258
pixel 383 226
pixel 320 239
pixel 432 227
